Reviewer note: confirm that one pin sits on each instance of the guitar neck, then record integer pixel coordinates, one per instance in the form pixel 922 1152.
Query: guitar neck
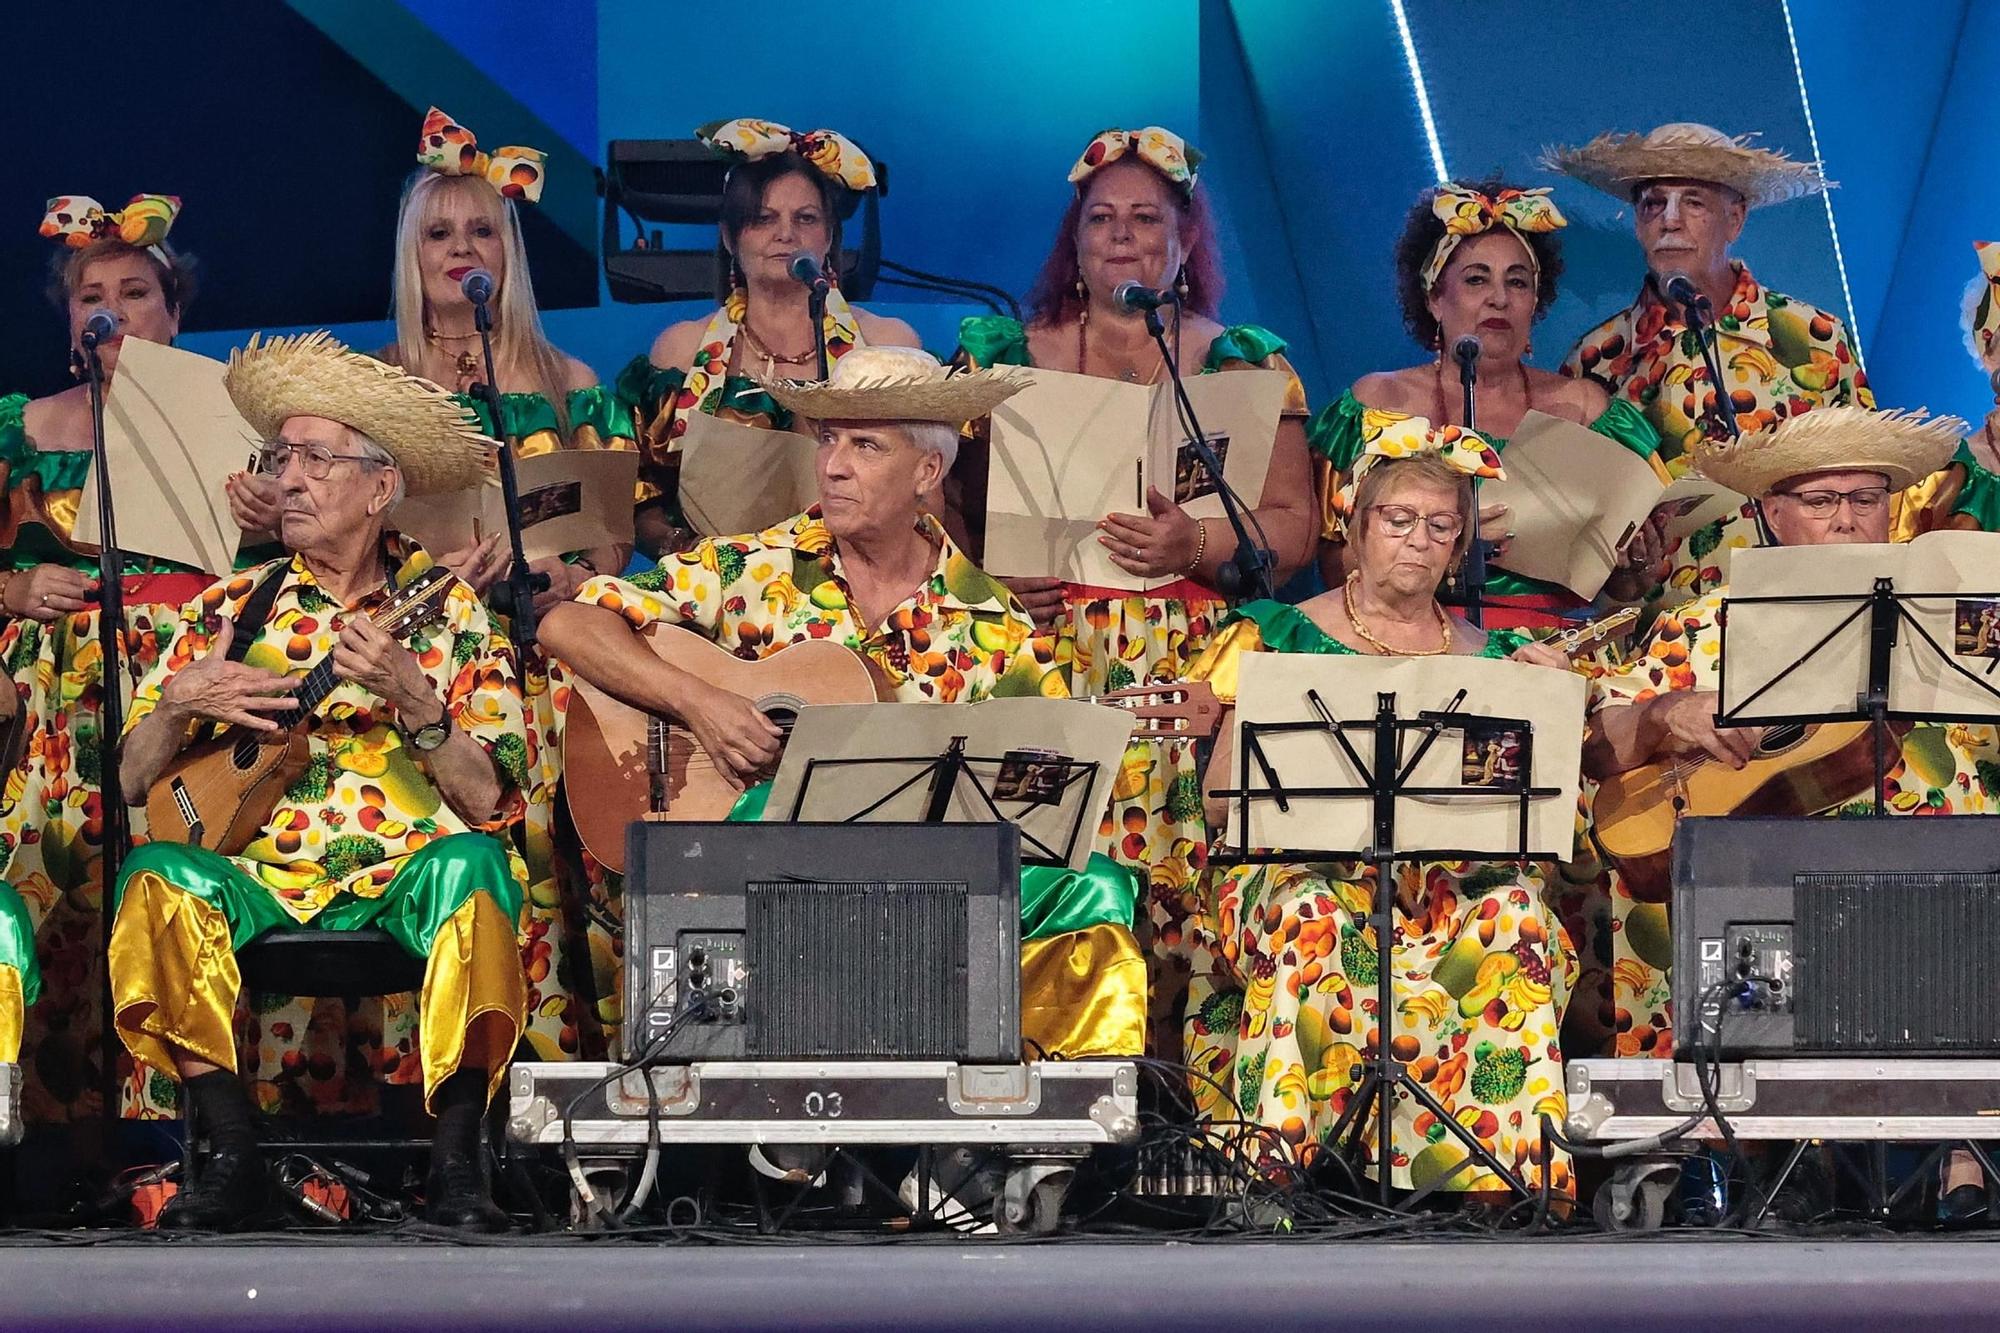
pixel 313 688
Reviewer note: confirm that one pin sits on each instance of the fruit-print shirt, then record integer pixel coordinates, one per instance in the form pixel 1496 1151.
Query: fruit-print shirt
pixel 366 801
pixel 1944 769
pixel 1780 356
pixel 959 638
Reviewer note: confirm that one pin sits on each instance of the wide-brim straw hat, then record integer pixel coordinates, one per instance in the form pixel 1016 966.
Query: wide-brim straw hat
pixel 1617 163
pixel 897 384
pixel 434 439
pixel 1905 447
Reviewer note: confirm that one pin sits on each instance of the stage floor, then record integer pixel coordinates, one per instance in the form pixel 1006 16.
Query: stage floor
pixel 415 1282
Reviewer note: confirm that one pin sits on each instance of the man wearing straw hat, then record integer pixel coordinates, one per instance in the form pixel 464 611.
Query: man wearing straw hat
pixel 416 759
pixel 1824 477
pixel 869 568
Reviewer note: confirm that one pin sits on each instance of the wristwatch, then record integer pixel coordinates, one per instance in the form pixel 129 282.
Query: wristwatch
pixel 428 738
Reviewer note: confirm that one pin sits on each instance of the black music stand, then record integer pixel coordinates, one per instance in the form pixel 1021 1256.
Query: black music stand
pixel 1886 612
pixel 1386 777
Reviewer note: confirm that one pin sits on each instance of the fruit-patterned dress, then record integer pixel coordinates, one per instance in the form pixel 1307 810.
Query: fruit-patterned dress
pixel 1483 973
pixel 660 399
pixel 1782 356
pixel 1336 437
pixel 1110 639
pixel 1951 769
pixel 51 807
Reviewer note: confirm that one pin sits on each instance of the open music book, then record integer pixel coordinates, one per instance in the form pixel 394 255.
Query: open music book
pixel 736 478
pixel 571 500
pixel 1069 449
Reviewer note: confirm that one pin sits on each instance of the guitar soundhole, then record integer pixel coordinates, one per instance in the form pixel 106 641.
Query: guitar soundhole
pixel 1776 740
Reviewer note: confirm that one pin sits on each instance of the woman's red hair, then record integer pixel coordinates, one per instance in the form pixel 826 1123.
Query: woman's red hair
pixel 1053 298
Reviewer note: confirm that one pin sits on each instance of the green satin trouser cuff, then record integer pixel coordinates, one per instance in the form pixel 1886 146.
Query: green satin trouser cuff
pixel 17 943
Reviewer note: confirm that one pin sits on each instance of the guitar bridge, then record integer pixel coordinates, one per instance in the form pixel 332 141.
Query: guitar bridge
pixel 184 803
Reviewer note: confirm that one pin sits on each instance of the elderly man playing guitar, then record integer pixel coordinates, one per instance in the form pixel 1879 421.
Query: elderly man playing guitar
pixel 869 570
pixel 385 678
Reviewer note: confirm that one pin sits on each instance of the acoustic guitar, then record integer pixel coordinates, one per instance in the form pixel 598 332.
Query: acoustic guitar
pixel 220 793
pixel 1797 769
pixel 622 764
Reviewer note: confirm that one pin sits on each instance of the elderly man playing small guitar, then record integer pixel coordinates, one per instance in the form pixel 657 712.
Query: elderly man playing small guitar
pixel 385 678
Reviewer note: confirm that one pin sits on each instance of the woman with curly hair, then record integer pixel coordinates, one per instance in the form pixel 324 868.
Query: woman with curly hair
pixel 1480 259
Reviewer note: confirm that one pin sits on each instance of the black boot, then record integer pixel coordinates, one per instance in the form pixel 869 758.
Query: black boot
pixel 456 1193
pixel 234 1184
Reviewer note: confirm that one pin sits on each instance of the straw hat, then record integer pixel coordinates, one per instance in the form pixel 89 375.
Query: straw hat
pixel 1616 163
pixel 897 384
pixel 435 440
pixel 1906 447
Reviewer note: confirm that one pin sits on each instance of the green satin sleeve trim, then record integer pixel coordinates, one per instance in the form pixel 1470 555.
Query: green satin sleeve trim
pixel 17 943
pixel 1054 900
pixel 1628 425
pixel 1503 642
pixel 1286 629
pixel 1979 497
pixel 1334 433
pixel 993 340
pixel 601 409
pixel 643 386
pixel 1251 343
pixel 56 469
pixel 525 414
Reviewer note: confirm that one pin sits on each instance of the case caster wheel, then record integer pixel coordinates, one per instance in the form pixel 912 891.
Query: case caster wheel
pixel 1031 1202
pixel 1635 1197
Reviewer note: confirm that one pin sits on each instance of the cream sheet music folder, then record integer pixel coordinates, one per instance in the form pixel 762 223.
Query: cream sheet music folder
pixel 1069 449
pixel 1577 497
pixel 1025 744
pixel 736 478
pixel 172 437
pixel 1272 688
pixel 571 500
pixel 1955 577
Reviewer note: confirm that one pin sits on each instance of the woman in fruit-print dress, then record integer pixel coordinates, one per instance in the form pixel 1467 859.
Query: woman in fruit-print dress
pixel 1137 213
pixel 1482 965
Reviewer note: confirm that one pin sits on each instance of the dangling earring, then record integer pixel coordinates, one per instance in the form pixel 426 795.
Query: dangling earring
pixel 1437 342
pixel 736 280
pixel 76 364
pixel 1181 283
pixel 1082 301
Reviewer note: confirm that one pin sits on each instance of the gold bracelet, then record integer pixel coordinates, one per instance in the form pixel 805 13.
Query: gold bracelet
pixel 1200 548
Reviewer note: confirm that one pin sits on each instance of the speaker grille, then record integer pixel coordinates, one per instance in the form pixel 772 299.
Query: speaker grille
pixel 857 970
pixel 1897 962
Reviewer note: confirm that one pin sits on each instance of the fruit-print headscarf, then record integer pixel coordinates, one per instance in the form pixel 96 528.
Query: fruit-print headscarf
pixel 832 154
pixel 1466 212
pixel 77 220
pixel 1387 436
pixel 448 148
pixel 1161 149
pixel 1982 311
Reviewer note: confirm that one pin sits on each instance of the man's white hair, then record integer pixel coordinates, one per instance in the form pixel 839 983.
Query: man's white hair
pixel 935 436
pixel 366 446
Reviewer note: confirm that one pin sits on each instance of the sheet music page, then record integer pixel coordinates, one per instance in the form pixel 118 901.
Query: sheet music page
pixel 171 438
pixel 1065 451
pixel 1576 497
pixel 1273 687
pixel 1021 750
pixel 1238 411
pixel 736 478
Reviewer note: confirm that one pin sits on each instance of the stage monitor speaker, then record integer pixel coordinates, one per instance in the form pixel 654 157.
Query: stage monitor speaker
pixel 1875 936
pixel 825 941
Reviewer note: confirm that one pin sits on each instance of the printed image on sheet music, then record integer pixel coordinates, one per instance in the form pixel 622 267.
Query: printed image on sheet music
pixel 1191 479
pixel 552 501
pixel 1491 757
pixel 1976 628
pixel 1032 777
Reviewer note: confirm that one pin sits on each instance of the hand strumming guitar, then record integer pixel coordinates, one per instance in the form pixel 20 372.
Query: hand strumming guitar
pixel 744 743
pixel 368 657
pixel 1688 720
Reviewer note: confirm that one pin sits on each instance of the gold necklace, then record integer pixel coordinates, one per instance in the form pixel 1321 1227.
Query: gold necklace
pixel 1354 619
pixel 771 358
pixel 1131 373
pixel 467 363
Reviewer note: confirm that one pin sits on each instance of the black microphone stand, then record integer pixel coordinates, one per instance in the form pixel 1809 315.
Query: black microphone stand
pixel 111 715
pixel 816 292
pixel 1472 572
pixel 1247 574
pixel 521 585
pixel 1695 313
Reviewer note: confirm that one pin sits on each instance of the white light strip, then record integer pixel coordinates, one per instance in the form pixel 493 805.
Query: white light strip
pixel 1423 93
pixel 1826 197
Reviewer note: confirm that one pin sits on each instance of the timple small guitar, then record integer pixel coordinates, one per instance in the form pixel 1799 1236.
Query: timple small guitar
pixel 219 793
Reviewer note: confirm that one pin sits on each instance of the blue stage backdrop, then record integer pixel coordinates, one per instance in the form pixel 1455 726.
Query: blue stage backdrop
pixel 289 129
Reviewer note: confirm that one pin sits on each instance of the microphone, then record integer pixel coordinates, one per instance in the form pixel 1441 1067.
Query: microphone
pixel 477 286
pixel 1137 298
pixel 805 267
pixel 100 327
pixel 1466 350
pixel 1679 287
